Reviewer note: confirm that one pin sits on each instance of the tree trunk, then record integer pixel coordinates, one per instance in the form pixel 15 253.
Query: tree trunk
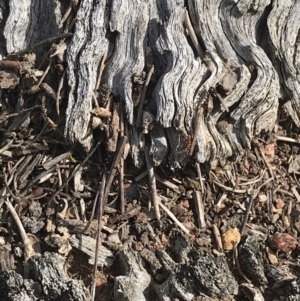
pixel 220 68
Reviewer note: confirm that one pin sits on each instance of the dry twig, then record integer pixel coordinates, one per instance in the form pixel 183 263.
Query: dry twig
pixel 31 243
pixel 101 68
pixel 200 209
pixel 74 172
pixel 217 237
pixel 115 164
pixel 197 129
pixel 121 175
pixel 200 176
pixel 296 194
pixel 154 196
pixel 101 203
pixel 173 217
pixel 141 104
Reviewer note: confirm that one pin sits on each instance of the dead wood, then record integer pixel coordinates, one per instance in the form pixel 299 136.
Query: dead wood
pixel 245 75
pixel 49 281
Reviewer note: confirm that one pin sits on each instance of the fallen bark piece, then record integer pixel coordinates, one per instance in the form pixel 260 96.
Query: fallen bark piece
pixel 49 282
pixel 194 275
pixel 87 245
pixel 133 284
pixel 251 259
pixel 8 80
pixel 252 292
pixel 6 258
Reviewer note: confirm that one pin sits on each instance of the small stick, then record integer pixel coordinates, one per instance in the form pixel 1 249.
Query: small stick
pixel 188 25
pixel 200 209
pixel 74 172
pixel 215 93
pixel 30 168
pixel 296 194
pixel 42 78
pixel 217 237
pixel 221 200
pixel 154 196
pixel 94 205
pixel 82 209
pixel 152 234
pixel 50 40
pixel 101 68
pixel 6 64
pixel 197 129
pixel 270 204
pixel 121 175
pixel 47 165
pixel 67 13
pixel 167 184
pixel 285 192
pixel 242 191
pixel 28 243
pixel 251 200
pixel 265 161
pixel 115 164
pixel 141 104
pixel 287 139
pixel 173 217
pixel 200 176
pixel 252 197
pixel 141 176
pixel 101 204
pixel 60 85
pixel 16 198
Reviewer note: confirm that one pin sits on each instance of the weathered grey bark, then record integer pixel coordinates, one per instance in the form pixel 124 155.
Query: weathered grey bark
pixel 226 54
pixel 194 274
pixel 49 281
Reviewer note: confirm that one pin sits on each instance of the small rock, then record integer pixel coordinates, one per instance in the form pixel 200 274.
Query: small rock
pixel 262 198
pixel 269 150
pixel 231 238
pixel 272 257
pixel 251 258
pixel 283 242
pixel 279 203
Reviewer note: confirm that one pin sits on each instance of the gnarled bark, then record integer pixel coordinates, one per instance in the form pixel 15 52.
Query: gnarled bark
pixel 216 83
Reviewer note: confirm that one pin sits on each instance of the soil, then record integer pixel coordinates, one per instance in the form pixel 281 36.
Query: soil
pixel 245 246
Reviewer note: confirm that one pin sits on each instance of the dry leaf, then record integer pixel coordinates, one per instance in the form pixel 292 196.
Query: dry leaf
pixel 283 242
pixel 231 238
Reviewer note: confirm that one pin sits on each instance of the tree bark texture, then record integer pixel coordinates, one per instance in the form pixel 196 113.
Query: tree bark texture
pixel 216 82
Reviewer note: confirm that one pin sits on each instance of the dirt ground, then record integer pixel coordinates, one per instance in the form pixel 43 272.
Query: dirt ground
pixel 239 222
